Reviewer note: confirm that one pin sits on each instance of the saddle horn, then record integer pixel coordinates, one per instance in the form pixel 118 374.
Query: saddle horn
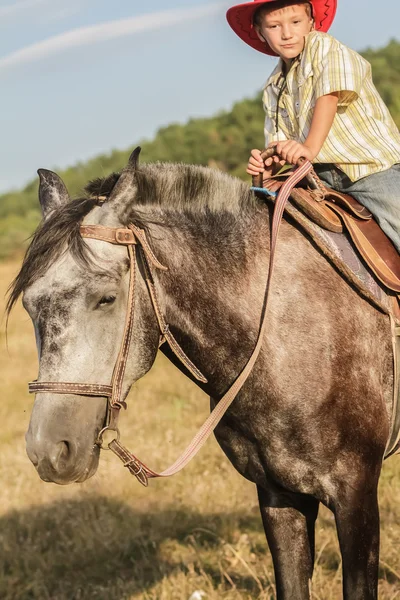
pixel 258 180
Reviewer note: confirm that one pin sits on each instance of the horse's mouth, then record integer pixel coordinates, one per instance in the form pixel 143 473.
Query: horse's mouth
pixel 89 471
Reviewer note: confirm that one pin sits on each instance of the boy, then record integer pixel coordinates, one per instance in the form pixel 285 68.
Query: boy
pixel 321 104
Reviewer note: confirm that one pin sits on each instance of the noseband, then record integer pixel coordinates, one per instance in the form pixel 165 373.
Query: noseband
pixel 133 237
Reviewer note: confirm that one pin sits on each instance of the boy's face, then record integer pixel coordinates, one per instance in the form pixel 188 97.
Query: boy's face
pixel 285 30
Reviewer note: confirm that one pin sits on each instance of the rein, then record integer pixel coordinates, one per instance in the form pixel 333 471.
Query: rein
pixel 133 237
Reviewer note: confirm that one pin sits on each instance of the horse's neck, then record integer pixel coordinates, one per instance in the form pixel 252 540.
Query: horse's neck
pixel 213 291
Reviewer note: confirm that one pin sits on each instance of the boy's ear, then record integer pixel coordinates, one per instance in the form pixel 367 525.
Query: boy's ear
pixel 259 34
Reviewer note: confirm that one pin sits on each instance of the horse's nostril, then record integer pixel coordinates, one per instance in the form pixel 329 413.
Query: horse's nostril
pixel 61 455
pixel 64 452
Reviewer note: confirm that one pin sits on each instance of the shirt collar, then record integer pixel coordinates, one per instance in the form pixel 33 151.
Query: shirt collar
pixel 277 73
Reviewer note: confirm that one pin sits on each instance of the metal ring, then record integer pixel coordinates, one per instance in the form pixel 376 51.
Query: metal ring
pixel 99 441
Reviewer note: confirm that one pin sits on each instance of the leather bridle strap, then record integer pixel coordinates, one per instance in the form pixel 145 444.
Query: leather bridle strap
pixel 164 327
pixel 119 369
pixel 81 389
pixel 113 235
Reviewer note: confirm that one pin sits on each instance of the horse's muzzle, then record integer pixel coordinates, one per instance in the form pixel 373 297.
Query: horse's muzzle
pixel 58 462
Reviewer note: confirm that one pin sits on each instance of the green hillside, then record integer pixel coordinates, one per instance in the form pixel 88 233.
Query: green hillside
pixel 222 141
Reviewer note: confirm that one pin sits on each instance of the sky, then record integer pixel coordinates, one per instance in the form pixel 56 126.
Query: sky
pixel 81 77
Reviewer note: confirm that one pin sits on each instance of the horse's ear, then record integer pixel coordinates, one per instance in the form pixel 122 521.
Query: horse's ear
pixel 126 180
pixel 134 158
pixel 52 191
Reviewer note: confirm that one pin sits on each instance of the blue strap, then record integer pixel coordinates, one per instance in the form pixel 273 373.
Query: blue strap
pixel 264 191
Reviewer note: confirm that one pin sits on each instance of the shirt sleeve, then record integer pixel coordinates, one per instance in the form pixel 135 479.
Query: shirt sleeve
pixel 337 68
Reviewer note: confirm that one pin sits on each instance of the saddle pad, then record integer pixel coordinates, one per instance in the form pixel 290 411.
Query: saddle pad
pixel 339 249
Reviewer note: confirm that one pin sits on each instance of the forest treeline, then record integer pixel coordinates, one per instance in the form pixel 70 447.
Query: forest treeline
pixel 222 141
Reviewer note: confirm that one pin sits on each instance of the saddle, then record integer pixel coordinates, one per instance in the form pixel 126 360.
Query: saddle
pixel 341 213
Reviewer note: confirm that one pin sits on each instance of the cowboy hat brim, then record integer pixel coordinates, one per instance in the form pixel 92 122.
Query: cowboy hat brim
pixel 240 18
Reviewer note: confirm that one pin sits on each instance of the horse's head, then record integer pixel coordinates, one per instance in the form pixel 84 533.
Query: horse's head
pixel 75 292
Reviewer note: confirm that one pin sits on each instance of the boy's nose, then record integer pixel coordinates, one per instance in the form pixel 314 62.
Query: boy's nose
pixel 286 32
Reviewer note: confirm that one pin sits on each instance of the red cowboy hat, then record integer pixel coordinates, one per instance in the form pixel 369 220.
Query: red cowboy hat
pixel 240 18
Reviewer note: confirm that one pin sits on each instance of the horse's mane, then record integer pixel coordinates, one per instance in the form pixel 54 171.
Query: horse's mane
pixel 184 188
pixel 181 187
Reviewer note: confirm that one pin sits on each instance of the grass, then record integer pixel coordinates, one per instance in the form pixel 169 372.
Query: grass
pixel 111 539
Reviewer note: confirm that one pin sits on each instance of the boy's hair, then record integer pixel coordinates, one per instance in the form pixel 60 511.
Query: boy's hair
pixel 270 6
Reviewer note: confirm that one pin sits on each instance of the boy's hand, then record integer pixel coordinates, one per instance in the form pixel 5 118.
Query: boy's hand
pixel 291 151
pixel 256 165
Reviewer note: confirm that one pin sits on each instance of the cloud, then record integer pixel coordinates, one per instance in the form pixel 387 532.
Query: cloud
pixel 86 36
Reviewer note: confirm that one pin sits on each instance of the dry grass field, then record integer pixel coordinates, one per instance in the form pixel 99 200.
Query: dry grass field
pixel 111 539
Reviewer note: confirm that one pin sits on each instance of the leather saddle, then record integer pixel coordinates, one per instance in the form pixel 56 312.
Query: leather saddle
pixel 341 213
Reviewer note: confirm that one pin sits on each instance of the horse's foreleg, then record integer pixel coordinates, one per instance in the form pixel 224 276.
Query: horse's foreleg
pixel 357 522
pixel 289 522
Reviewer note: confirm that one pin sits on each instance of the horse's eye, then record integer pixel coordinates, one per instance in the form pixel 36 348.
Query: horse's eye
pixel 107 300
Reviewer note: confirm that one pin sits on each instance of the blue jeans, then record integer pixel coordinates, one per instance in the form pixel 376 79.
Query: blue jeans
pixel 379 192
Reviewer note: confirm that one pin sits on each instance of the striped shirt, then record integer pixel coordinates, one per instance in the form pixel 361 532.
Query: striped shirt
pixel 363 138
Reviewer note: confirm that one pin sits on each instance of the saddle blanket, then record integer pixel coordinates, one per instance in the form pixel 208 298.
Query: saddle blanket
pixel 340 250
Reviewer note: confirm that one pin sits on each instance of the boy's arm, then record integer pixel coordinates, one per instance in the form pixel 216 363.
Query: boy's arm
pixel 324 114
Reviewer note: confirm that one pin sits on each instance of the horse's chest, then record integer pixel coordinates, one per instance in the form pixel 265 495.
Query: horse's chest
pixel 257 450
pixel 242 453
pixel 234 435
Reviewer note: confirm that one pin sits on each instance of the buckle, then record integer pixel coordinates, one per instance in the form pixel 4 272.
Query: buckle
pixel 125 237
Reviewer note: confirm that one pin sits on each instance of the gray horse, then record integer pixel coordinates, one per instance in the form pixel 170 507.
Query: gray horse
pixel 312 421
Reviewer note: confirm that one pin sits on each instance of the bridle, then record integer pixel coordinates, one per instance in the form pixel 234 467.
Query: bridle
pixel 134 239
pixel 130 237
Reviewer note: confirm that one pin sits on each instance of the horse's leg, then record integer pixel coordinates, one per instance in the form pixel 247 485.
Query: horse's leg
pixel 289 521
pixel 357 522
